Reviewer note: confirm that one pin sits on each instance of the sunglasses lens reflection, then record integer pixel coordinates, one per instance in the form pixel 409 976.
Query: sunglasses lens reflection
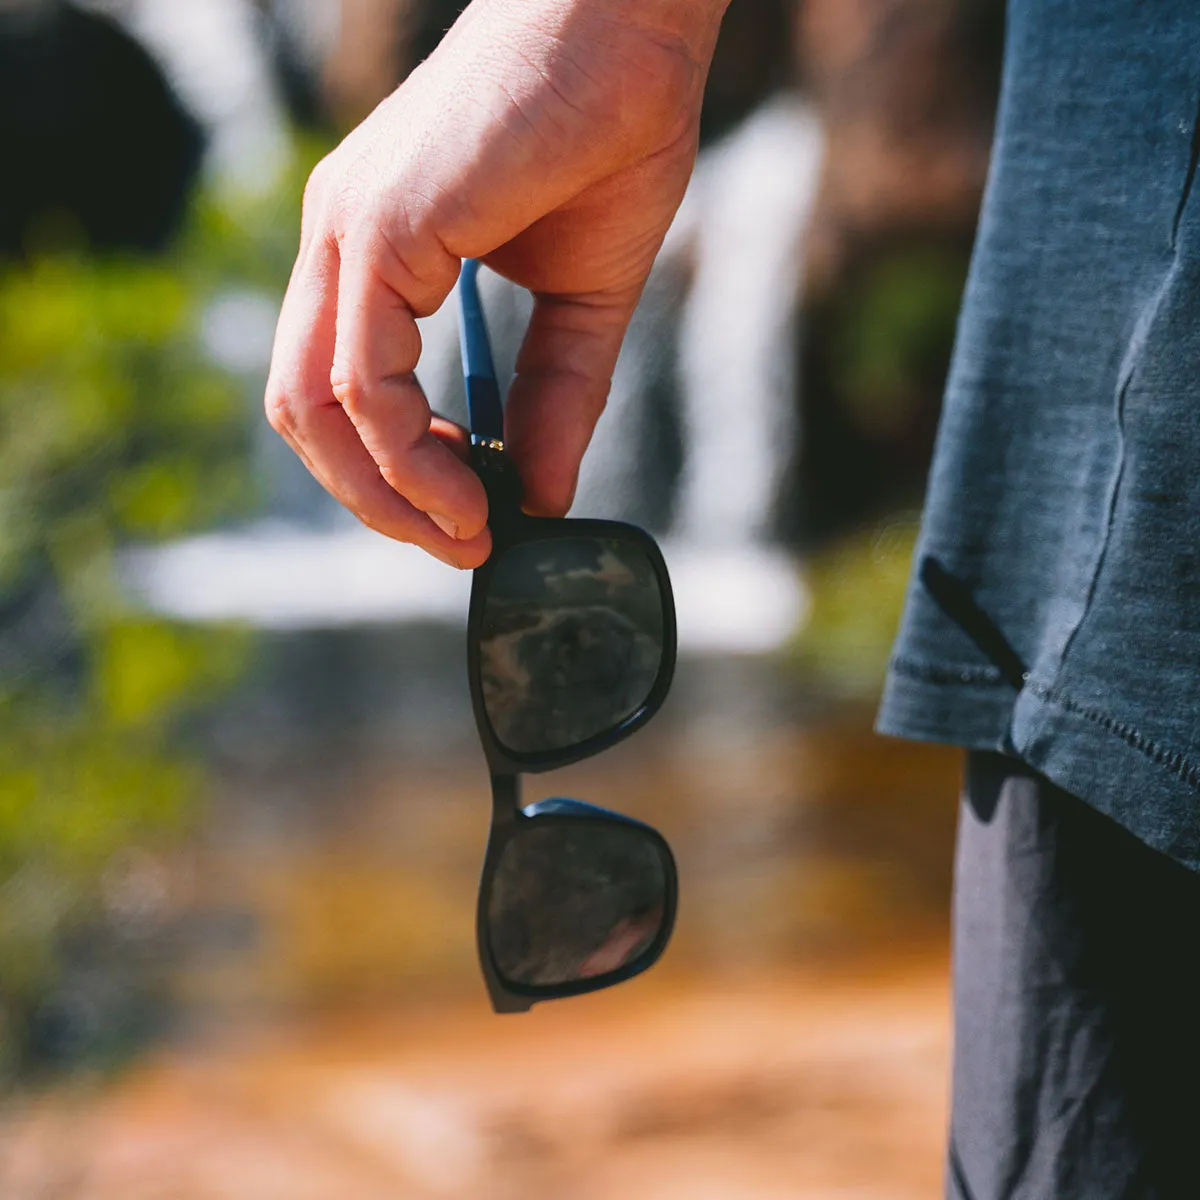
pixel 573 901
pixel 571 643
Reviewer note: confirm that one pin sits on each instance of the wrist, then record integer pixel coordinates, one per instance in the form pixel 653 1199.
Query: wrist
pixel 596 83
pixel 692 24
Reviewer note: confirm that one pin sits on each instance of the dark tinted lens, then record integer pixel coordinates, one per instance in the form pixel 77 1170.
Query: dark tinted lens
pixel 575 900
pixel 572 641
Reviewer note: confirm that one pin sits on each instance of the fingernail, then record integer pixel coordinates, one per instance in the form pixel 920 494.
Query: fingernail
pixel 447 526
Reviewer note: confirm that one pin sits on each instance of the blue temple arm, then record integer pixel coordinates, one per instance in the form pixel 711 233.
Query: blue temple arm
pixel 484 411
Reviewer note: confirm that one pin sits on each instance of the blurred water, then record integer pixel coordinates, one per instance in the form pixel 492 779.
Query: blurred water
pixel 330 1036
pixel 352 807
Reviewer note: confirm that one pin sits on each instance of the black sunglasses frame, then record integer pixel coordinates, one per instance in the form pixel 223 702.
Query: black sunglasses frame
pixel 508 819
pixel 510 527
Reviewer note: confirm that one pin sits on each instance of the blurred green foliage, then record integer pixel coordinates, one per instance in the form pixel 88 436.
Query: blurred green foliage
pixel 857 589
pixel 114 428
pixel 877 345
pixel 884 338
pixel 893 342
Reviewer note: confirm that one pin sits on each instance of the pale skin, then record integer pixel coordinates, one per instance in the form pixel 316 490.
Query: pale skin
pixel 551 138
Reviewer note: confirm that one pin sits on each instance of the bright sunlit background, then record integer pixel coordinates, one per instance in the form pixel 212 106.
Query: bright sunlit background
pixel 242 806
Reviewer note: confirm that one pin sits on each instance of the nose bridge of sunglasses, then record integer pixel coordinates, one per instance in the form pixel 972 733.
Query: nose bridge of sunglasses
pixel 506 799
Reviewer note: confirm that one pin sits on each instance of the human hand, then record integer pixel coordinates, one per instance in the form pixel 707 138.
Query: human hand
pixel 551 138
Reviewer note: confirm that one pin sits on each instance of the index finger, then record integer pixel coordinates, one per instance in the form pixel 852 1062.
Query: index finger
pixel 376 351
pixel 302 408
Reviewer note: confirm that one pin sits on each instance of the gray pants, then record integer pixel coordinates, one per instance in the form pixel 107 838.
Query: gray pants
pixel 1077 1001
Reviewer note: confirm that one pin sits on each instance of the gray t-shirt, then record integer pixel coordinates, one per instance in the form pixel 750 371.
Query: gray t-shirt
pixel 1054 611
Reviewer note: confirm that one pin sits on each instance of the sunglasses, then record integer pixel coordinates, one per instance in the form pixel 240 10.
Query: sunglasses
pixel 570 649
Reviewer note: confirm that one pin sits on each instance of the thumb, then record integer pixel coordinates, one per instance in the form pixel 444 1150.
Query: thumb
pixel 563 374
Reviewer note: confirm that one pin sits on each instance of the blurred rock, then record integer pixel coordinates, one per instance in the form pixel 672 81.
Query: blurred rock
pixel 907 90
pixel 96 144
pixel 215 56
pixel 370 54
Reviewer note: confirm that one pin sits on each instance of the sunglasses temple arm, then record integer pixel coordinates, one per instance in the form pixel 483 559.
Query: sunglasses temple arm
pixel 484 410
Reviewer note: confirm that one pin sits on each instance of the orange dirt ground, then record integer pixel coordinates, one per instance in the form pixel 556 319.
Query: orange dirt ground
pixel 814 1085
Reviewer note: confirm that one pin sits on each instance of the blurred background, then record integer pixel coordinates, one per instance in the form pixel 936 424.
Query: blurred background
pixel 242 805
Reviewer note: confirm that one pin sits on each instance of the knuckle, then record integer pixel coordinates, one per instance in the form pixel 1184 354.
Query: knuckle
pixel 356 199
pixel 371 521
pixel 356 495
pixel 396 463
pixel 594 399
pixel 588 393
pixel 376 522
pixel 348 193
pixel 395 421
pixel 316 193
pixel 349 392
pixel 319 178
pixel 280 411
pixel 667 71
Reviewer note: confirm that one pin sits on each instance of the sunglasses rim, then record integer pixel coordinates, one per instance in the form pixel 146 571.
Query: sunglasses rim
pixel 522 530
pixel 508 819
pixel 510 528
